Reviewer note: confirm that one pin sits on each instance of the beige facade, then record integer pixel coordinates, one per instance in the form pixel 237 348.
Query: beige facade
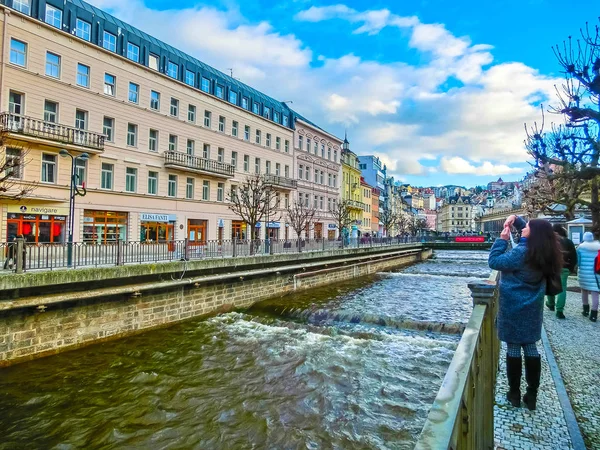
pixel 455 216
pixel 318 171
pixel 167 163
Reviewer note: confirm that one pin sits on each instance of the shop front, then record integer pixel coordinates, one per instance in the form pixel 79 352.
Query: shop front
pixel 104 227
pixel 157 227
pixel 331 231
pixel 37 224
pixel 273 230
pixel 238 230
pixel 318 230
pixel 197 230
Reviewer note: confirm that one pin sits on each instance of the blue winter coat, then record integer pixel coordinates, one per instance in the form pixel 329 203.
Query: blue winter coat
pixel 586 254
pixel 522 289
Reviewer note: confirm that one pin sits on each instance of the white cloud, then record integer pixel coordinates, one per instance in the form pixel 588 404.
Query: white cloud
pixel 460 166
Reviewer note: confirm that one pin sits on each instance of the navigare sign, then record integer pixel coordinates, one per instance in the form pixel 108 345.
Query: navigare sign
pixel 153 217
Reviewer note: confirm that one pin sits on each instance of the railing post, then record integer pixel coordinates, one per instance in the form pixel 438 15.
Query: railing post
pixel 234 242
pixel 185 249
pixel 119 256
pixel 20 255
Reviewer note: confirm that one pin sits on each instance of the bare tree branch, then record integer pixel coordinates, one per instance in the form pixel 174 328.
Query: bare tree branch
pixel 13 159
pixel 300 217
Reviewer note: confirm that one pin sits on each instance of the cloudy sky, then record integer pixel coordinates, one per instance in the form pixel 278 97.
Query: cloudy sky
pixel 439 90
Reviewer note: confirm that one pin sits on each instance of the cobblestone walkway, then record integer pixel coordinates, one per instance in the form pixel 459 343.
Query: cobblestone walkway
pixel 575 343
pixel 519 428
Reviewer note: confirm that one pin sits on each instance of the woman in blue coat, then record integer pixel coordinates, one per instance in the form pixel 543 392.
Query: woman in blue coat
pixel 524 271
pixel 586 256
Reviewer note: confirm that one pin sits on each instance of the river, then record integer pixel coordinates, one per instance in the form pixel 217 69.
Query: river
pixel 351 366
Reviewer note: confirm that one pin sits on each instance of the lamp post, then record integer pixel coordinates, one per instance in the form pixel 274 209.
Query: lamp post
pixel 73 191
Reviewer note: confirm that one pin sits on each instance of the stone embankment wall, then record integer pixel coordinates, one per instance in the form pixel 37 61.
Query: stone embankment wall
pixel 53 312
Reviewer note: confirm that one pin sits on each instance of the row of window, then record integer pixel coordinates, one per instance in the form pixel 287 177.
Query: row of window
pixel 318 201
pixel 319 176
pixel 313 145
pixel 83 29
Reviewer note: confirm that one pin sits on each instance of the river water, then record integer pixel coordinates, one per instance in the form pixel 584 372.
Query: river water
pixel 334 368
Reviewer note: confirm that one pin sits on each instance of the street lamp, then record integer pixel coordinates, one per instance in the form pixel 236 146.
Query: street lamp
pixel 74 191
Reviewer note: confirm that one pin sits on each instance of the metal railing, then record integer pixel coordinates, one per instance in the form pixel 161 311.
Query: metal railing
pixel 462 415
pixel 28 126
pixel 31 256
pixel 197 164
pixel 284 182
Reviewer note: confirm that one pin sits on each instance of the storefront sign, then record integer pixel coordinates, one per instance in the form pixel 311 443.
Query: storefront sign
pixel 332 226
pixel 469 239
pixel 152 217
pixel 38 209
pixel 273 225
pixel 221 223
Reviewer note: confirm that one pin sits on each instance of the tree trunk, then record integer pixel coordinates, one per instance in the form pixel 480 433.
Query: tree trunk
pixel 595 207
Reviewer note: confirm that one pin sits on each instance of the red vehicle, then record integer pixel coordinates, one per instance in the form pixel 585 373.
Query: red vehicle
pixel 469 239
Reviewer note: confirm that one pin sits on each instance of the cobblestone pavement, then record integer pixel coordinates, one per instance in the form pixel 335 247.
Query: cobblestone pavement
pixel 575 343
pixel 521 429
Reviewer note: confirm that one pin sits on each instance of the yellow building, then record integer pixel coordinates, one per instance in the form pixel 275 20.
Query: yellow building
pixel 351 190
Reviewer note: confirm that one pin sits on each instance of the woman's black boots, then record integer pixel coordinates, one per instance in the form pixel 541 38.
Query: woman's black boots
pixel 593 316
pixel 533 371
pixel 513 374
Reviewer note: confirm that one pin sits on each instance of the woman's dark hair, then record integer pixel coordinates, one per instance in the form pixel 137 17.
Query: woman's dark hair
pixel 560 230
pixel 543 248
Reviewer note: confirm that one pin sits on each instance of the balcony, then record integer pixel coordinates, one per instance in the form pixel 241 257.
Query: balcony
pixel 281 182
pixel 353 204
pixel 36 130
pixel 189 163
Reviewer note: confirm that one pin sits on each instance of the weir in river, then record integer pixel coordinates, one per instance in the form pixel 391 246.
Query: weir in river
pixel 349 366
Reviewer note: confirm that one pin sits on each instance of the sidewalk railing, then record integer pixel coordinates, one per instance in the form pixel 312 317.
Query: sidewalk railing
pixel 462 415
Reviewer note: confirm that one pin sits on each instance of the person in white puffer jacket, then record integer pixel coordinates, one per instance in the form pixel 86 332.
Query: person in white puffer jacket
pixel 586 255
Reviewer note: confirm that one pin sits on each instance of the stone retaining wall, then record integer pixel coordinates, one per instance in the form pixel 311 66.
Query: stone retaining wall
pixel 44 328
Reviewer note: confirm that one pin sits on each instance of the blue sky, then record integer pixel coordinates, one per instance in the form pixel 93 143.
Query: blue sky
pixel 439 90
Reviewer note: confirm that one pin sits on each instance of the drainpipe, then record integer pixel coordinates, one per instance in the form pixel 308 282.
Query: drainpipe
pixel 6 12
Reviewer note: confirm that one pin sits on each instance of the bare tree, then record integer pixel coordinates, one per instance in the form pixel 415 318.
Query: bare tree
pixel 300 217
pixel 342 216
pixel 253 201
pixel 571 151
pixel 388 219
pixel 13 159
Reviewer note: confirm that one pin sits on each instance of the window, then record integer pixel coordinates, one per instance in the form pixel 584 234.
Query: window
pixel 277 169
pixel 256 165
pixel 191 113
pixel 316 179
pixel 329 153
pixel 285 121
pixel 277 143
pixel 287 146
pixel 205 85
pixel 287 201
pixel 206 190
pixel 268 167
pixel 234 159
pixel 190 78
pixel 109 84
pixel 329 204
pixel 83 75
pixel 307 145
pixel 267 113
pixel 13 163
pixel 220 191
pixel 155 100
pixel 50 111
pixel 245 102
pixel 109 42
pixel 190 147
pixel 307 174
pixel 22 6
pixel 322 177
pixel 315 202
pixel 152 182
pixel 131 135
pixel 130 179
pixel 153 61
pixel 106 176
pixel 18 52
pixel 246 133
pixel 134 93
pixel 108 128
pixel 233 97
pixel 322 150
pixel 153 140
pixel 222 124
pixel 173 70
pixel 286 173
pixel 172 143
pixel 255 108
pixel 172 186
pixel 53 16
pixel 316 147
pixel 189 188
pixel 300 142
pixel 80 171
pixel 335 156
pixel 300 172
pixel 268 140
pixel 275 117
pixel 52 65
pixel 15 103
pixel 329 180
pixel 133 52
pixel 257 136
pixel 335 181
pixel 306 200
pixel 246 163
pixel 234 128
pixel 221 155
pixel 48 168
pixel 207 118
pixel 174 107
pixel 219 91
pixel 206 151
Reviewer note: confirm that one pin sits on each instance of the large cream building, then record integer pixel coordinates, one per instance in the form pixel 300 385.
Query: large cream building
pixel 167 136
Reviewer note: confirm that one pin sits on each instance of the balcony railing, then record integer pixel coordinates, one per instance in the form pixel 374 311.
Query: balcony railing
pixel 283 182
pixel 357 205
pixel 191 163
pixel 28 126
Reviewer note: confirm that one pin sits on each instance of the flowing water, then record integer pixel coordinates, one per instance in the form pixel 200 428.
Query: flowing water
pixel 332 368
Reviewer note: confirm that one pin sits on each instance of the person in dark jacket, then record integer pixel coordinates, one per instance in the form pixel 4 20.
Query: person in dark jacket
pixel 569 254
pixel 522 286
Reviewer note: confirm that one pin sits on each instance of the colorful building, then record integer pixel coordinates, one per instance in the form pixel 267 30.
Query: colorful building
pixel 351 187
